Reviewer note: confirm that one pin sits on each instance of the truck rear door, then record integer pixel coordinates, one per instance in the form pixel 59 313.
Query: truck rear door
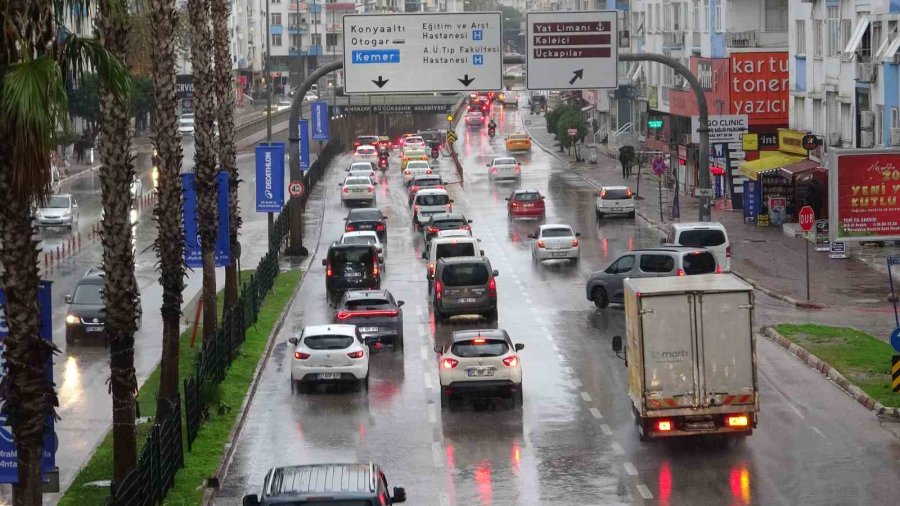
pixel 669 369
pixel 726 345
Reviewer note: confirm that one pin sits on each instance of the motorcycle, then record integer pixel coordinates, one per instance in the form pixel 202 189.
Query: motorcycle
pixel 383 163
pixel 492 131
pixel 435 152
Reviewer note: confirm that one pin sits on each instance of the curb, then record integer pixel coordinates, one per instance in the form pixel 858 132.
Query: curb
pixel 832 374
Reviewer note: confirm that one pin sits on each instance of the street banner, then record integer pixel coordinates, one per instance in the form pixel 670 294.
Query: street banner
pixel 193 256
pixel 864 188
pixel 304 145
pixel 269 177
pixel 752 200
pixel 320 120
pixel 9 471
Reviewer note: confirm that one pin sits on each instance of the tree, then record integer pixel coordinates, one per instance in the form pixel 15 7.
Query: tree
pixel 205 157
pixel 220 10
pixel 36 60
pixel 142 100
pixel 569 119
pixel 169 209
pixel 84 102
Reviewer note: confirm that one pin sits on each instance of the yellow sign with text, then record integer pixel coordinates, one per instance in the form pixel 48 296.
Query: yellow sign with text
pixel 791 141
pixel 750 142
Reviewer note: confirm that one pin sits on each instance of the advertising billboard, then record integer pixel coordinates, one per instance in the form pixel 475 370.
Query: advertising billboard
pixel 864 187
pixel 713 74
pixel 269 177
pixel 759 86
pixel 193 253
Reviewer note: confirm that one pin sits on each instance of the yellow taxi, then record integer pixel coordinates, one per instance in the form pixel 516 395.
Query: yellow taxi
pixel 412 154
pixel 518 142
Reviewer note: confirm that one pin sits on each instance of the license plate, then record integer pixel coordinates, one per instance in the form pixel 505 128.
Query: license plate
pixel 94 329
pixel 558 254
pixel 368 329
pixel 617 209
pixel 710 425
pixel 480 371
pixel 365 227
pixel 467 300
pixel 328 375
pixel 527 206
pixel 353 274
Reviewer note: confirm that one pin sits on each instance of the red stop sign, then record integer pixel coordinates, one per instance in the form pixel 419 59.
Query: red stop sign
pixel 807 218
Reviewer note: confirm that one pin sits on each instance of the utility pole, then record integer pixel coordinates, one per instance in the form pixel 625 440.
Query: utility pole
pixel 268 77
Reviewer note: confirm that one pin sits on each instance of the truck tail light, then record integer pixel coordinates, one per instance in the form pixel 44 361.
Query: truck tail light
pixel 574 243
pixel 540 244
pixel 728 251
pixel 375 270
pixel 737 421
pixel 431 269
pixel 492 288
pixel 328 271
pixel 664 425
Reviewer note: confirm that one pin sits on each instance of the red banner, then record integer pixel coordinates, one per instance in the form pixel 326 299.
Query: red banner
pixel 714 77
pixel 760 86
pixel 868 186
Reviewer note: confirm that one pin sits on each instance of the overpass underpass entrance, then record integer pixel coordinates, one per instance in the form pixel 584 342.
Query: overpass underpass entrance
pixel 393 115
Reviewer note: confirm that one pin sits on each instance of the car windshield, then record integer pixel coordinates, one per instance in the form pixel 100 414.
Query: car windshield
pixel 454 249
pixel 480 348
pixel 187 117
pixel 418 165
pixel 415 140
pixel 527 197
pixel 365 151
pixel 413 153
pixel 364 215
pixel 327 342
pixel 345 256
pixel 427 181
pixel 557 232
pixel 616 194
pixel 465 274
pixel 366 139
pixel 700 262
pixel 357 181
pixel 432 200
pixel 359 239
pixel 445 224
pixel 88 294
pixel 432 136
pixel 361 166
pixel 701 238
pixel 518 137
pixel 504 161
pixel 368 303
pixel 57 202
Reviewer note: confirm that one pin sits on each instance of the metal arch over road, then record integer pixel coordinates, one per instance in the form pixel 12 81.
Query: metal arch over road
pixel 295 244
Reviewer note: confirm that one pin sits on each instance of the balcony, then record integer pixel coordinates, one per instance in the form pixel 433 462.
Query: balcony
pixel 298 28
pixel 315 50
pixel 673 39
pixel 340 7
pixel 742 39
pixel 334 28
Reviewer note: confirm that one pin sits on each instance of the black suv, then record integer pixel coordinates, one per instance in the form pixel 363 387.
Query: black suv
pixel 351 267
pixel 86 317
pixel 365 219
pixel 444 221
pixel 344 484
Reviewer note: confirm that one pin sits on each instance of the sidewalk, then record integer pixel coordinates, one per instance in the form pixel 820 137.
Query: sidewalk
pixel 767 258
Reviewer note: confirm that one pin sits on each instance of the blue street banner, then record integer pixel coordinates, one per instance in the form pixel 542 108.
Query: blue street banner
pixel 304 145
pixel 752 200
pixel 269 177
pixel 193 256
pixel 320 120
pixel 9 472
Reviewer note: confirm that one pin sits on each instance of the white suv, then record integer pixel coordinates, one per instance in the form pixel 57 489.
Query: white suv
pixel 428 202
pixel 615 200
pixel 329 354
pixel 480 364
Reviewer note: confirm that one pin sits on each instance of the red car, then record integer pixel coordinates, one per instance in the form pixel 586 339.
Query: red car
pixel 525 204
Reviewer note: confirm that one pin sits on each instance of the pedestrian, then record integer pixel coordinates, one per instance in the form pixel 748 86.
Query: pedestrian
pixel 79 151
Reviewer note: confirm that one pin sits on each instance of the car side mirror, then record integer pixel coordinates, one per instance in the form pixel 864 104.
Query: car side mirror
pixel 452 201
pixel 662 240
pixel 577 234
pixel 400 303
pixel 68 299
pixel 439 349
pixel 531 236
pixel 399 495
pixel 481 251
pixel 495 273
pixel 506 199
pixel 385 217
pixel 424 255
pixel 251 500
pixel 340 184
pixel 324 263
pixel 470 221
pixel 520 346
pixel 293 340
pixel 487 165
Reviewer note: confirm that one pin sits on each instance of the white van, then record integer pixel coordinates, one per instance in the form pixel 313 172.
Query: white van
pixel 428 202
pixel 709 235
pixel 447 247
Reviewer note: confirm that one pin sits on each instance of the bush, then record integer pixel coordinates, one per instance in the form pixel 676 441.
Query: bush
pixel 553 116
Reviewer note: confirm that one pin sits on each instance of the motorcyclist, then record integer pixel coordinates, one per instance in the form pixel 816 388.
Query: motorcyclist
pixel 492 125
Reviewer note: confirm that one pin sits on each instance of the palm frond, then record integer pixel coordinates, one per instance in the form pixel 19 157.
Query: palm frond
pixel 33 103
pixel 75 13
pixel 79 55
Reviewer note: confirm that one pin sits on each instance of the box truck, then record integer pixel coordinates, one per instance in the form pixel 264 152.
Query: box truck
pixel 690 352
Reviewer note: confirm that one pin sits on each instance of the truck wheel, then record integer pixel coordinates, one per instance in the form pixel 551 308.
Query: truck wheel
pixel 598 295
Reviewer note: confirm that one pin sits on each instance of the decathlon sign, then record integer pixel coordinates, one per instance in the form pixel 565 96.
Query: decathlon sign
pixel 270 177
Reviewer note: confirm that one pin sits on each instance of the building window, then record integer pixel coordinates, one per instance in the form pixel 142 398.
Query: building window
pixel 704 17
pixel 798 114
pixel 650 20
pixel 331 39
pixel 879 121
pixel 676 17
pixel 720 15
pixel 276 18
pixel 276 39
pixel 846 123
pixel 801 37
pixel 667 17
pixel 316 39
pixel 834 31
pixel 895 117
pixel 696 15
pixel 817 114
pixel 817 37
pixel 776 15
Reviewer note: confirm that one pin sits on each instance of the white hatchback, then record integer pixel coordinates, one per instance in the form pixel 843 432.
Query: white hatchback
pixel 614 200
pixel 366 153
pixel 329 354
pixel 415 168
pixel 555 242
pixel 480 364
pixel 364 169
pixel 365 237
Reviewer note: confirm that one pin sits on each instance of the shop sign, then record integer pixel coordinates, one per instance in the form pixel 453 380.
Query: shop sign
pixel 760 86
pixel 791 141
pixel 822 235
pixel 768 141
pixel 864 188
pixel 777 210
pixel 750 142
pixel 725 128
pixel 752 200
pixel 838 250
pixel 682 153
pixel 653 97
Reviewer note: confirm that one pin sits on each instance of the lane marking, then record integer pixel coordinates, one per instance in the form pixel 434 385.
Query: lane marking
pixel 644 491
pixel 569 370
pixel 630 469
pixel 427 381
pixel 606 429
pixel 559 356
pixel 445 499
pixel 422 332
pixel 617 448
pixel 550 337
pixel 555 347
pixel 586 396
pixel 424 354
pixel 596 413
pixel 432 413
pixel 817 431
pixel 577 383
pixel 418 309
pixel 437 454
pixel 794 408
pixel 545 329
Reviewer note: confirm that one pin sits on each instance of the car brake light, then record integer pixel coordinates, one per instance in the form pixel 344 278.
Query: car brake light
pixel 465 227
pixel 511 361
pixel 518 168
pixel 664 426
pixel 349 228
pixel 371 189
pixel 492 288
pixel 328 271
pixel 299 355
pixel 406 172
pixel 375 270
pixel 428 171
pixel 514 204
pixel 344 315
pixel 432 230
pixel 603 194
pixel 438 290
pixel 449 363
pixel 679 272
pixel 346 190
pixel 728 251
pixel 574 243
pixel 379 227
pixel 493 170
pixel 540 244
pixel 737 421
pixel 431 269
pixel 479 341
pixel 356 354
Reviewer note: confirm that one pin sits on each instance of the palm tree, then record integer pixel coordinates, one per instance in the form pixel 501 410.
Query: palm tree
pixel 205 157
pixel 120 291
pixel 37 58
pixel 170 227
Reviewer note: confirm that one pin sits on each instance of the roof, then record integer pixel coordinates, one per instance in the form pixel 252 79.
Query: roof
pixel 361 233
pixel 321 478
pixel 364 210
pixel 556 225
pixel 465 335
pixel 697 283
pixel 681 249
pixel 614 187
pixel 462 260
pixel 698 224
pixel 335 328
pixel 447 216
pixel 525 190
pixel 432 191
pixel 453 239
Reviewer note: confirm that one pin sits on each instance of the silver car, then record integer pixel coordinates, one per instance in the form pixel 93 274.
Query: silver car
pixel 356 189
pixel 555 242
pixel 60 210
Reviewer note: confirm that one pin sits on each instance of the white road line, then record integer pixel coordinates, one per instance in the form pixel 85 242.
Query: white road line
pixel 555 347
pixel 418 309
pixel 550 337
pixel 445 499
pixel 437 454
pixel 577 383
pixel 794 408
pixel 644 491
pixel 817 431
pixel 630 469
pixel 427 378
pixel 586 396
pixel 617 448
pixel 569 370
pixel 545 329
pixel 422 330
pixel 606 429
pixel 424 354
pixel 559 356
pixel 432 414
pixel 596 413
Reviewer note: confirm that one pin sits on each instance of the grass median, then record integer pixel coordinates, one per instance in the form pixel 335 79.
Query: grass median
pixel 863 359
pixel 223 410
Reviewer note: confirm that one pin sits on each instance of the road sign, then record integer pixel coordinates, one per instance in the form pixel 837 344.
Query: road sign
pixel 296 188
pixel 659 166
pixel 451 136
pixel 838 250
pixel 895 372
pixel 414 53
pixel 806 218
pixel 895 339
pixel 572 132
pixel 571 50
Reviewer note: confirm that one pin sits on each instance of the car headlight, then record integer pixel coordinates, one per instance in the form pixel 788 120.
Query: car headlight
pixel 72 318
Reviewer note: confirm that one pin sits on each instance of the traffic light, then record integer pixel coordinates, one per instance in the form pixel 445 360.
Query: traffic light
pixel 450 118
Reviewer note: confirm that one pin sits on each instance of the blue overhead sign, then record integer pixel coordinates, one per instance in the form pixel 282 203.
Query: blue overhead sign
pixel 304 145
pixel 193 255
pixel 270 177
pixel 320 120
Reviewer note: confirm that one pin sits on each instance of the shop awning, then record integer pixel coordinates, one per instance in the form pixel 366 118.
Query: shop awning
pixel 752 168
pixel 805 165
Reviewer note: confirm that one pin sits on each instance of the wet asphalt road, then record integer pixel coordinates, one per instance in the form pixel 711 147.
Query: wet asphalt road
pixel 574 441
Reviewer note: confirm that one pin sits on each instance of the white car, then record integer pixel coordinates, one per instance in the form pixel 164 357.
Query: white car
pixel 137 188
pixel 707 234
pixel 414 142
pixel 60 210
pixel 505 167
pixel 310 97
pixel 186 124
pixel 481 364
pixel 616 200
pixel 428 202
pixel 329 354
pixel 365 237
pixel 364 169
pixel 415 168
pixel 555 242
pixel 358 188
pixel 366 153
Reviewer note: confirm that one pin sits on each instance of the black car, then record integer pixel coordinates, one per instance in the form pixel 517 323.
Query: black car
pixel 445 221
pixel 375 313
pixel 86 318
pixel 366 218
pixel 339 484
pixel 351 267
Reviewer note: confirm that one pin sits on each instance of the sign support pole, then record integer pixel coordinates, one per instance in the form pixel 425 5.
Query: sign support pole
pixel 893 293
pixel 806 240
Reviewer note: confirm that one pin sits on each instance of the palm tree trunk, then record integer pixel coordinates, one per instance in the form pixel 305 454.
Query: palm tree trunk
pixel 205 157
pixel 170 228
pixel 224 85
pixel 120 291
